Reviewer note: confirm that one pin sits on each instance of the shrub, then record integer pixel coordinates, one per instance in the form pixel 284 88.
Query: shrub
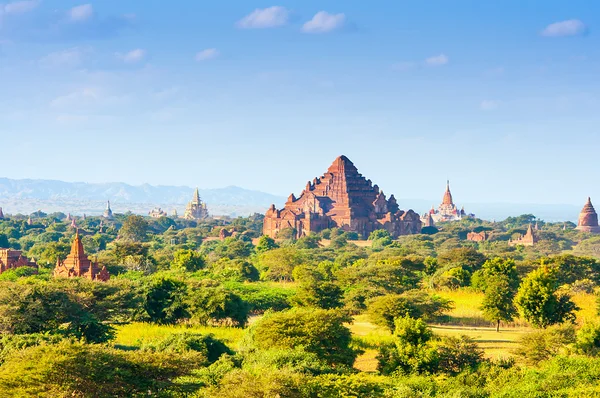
pixel 588 339
pixel 205 344
pixel 541 345
pixel 317 331
pixel 384 310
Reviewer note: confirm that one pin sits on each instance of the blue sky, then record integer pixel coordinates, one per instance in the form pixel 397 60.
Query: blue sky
pixel 501 97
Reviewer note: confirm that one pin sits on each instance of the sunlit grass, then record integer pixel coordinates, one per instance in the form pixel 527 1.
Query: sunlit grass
pixel 137 334
pixel 588 310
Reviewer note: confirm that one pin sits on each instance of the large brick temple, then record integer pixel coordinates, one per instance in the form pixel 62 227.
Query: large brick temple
pixel 341 198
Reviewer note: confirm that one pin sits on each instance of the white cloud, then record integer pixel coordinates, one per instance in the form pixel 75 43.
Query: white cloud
pixel 205 55
pixel 71 57
pixel 571 27
pixel 81 13
pixel 324 22
pixel 19 7
pixel 79 97
pixel 133 56
pixel 489 105
pixel 437 60
pixel 271 17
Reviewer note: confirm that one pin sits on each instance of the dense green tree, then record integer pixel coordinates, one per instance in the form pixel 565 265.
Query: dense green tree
pixel 540 301
pixel 135 228
pixel 211 303
pixel 188 260
pixel 321 332
pixel 498 303
pixel 266 243
pixel 165 300
pixel 278 264
pixel 384 310
pixel 316 289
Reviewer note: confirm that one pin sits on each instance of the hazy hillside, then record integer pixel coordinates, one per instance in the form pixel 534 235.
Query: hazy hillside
pixel 24 196
pixel 125 193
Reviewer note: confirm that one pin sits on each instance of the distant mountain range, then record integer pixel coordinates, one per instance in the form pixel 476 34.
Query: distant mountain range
pixel 22 196
pixel 26 196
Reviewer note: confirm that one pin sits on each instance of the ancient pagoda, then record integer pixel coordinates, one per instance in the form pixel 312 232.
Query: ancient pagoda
pixel 196 209
pixel 108 214
pixel 11 259
pixel 529 239
pixel 447 210
pixel 1 214
pixel 588 219
pixel 341 198
pixel 77 264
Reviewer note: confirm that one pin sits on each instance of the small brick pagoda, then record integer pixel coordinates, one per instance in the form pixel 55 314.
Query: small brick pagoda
pixel 588 219
pixel 529 239
pixel 11 259
pixel 341 198
pixel 77 264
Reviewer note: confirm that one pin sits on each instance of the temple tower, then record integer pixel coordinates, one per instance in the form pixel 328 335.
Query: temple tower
pixel 588 219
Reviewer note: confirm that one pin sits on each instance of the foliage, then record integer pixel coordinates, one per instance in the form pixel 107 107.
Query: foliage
pixel 588 339
pixel 205 344
pixel 164 300
pixel 541 345
pixel 318 331
pixel 540 301
pixel 209 303
pixel 188 260
pixel 74 369
pixel 135 228
pixel 384 310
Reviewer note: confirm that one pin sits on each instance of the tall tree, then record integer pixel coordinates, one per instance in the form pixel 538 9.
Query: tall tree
pixel 134 228
pixel 498 301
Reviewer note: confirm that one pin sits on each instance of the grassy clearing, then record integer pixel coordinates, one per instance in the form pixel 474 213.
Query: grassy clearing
pixel 494 344
pixel 136 334
pixel 466 312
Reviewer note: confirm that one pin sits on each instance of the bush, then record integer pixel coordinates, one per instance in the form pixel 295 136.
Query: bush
pixel 261 298
pixel 384 310
pixel 213 304
pixel 317 331
pixel 74 369
pixel 541 345
pixel 417 350
pixel 178 343
pixel 588 339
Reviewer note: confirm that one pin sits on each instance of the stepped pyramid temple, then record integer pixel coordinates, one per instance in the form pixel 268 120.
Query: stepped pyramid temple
pixel 341 198
pixel 196 209
pixel 11 259
pixel 588 219
pixel 447 210
pixel 77 264
pixel 529 239
pixel 108 214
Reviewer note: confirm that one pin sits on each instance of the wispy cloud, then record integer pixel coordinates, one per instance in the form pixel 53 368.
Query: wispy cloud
pixel 133 56
pixel 571 27
pixel 489 105
pixel 271 17
pixel 205 55
pixel 71 57
pixel 437 60
pixel 324 22
pixel 81 13
pixel 18 7
pixel 75 98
